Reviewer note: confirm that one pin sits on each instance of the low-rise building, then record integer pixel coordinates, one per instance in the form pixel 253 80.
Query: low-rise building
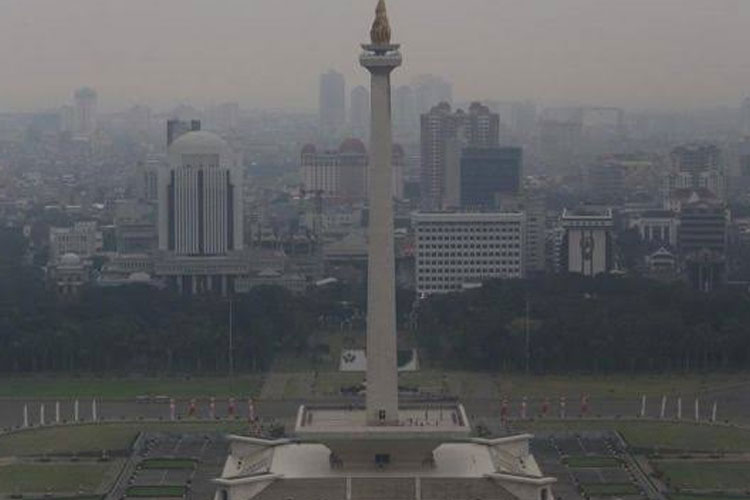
pixel 455 250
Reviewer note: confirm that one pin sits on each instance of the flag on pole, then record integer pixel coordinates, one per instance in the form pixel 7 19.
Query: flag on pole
pixel 250 410
pixel 523 408
pixel 212 408
pixel 584 405
pixel 231 408
pixel 545 407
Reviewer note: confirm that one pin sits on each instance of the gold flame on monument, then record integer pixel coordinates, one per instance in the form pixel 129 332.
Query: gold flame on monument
pixel 380 34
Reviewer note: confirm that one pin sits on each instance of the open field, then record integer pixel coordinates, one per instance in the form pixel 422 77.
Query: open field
pixel 94 438
pixel 57 477
pixel 706 475
pixel 650 435
pixel 128 388
pixel 466 385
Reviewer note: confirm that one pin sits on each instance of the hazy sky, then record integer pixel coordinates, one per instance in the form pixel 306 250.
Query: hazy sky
pixel 269 53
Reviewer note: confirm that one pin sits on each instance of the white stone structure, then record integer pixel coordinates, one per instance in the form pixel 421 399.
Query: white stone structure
pixel 454 250
pixel 380 59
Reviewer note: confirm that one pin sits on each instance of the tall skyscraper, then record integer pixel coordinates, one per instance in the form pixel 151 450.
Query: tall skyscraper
pixel 332 104
pixel 405 113
pixel 440 127
pixel 487 173
pixel 85 111
pixel 694 167
pixel 359 112
pixel 200 198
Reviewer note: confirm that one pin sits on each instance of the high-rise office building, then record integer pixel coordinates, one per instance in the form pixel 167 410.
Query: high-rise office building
pixel 534 206
pixel 487 173
pixel 359 112
pixel 332 104
pixel 477 128
pixel 85 111
pixel 200 198
pixel 702 242
pixel 695 167
pixel 405 112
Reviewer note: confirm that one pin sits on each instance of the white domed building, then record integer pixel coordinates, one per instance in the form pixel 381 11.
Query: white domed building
pixel 200 213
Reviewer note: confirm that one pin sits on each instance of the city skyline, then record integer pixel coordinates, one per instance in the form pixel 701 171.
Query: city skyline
pixel 631 54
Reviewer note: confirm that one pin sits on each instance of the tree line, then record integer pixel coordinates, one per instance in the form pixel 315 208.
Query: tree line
pixel 605 324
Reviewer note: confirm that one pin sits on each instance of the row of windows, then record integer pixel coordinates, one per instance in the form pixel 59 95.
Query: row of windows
pixel 463 269
pixel 424 256
pixel 468 238
pixel 492 227
pixel 462 279
pixel 467 247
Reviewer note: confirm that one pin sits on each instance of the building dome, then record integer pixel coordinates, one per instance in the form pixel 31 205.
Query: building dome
pixel 70 259
pixel 198 142
pixel 352 146
pixel 308 149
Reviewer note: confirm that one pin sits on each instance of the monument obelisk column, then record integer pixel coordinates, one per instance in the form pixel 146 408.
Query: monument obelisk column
pixel 380 58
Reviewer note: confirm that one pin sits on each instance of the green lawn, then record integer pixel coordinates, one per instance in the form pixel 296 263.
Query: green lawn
pixel 460 383
pixel 168 463
pixel 57 477
pixel 155 491
pixel 128 388
pixel 707 475
pixel 592 461
pixel 610 489
pixel 664 436
pixel 616 386
pixel 93 438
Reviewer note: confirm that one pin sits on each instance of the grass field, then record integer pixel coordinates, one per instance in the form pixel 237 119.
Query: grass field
pixel 93 438
pixel 664 436
pixel 458 383
pixel 707 475
pixel 583 462
pixel 60 478
pixel 128 388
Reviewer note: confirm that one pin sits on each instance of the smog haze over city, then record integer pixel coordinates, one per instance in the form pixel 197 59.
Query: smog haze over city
pixel 265 53
pixel 375 249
